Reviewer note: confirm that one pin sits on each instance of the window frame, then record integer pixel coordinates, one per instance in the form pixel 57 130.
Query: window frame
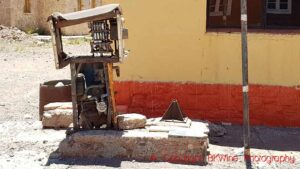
pixel 217 11
pixel 278 10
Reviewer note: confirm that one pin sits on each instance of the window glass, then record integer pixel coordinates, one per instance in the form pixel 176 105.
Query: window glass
pixel 283 4
pixel 212 5
pixel 271 4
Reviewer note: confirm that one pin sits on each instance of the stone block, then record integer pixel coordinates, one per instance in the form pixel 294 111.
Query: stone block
pixel 131 121
pixel 57 115
pixel 179 145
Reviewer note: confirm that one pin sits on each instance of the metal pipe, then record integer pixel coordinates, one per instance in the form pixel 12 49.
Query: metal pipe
pixel 246 126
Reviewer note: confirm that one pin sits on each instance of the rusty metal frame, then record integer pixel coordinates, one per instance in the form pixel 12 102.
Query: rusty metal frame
pixel 174 112
pixel 57 21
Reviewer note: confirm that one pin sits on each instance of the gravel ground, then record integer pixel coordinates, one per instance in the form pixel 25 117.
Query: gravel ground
pixel 24 144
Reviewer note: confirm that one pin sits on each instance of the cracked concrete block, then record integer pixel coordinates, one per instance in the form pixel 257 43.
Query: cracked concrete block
pixel 58 118
pixel 131 121
pixel 189 146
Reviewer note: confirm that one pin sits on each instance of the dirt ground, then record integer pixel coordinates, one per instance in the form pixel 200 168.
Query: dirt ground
pixel 24 144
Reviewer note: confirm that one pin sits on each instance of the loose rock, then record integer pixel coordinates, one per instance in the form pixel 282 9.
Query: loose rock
pixel 28 116
pixel 12 34
pixel 216 130
pixel 131 121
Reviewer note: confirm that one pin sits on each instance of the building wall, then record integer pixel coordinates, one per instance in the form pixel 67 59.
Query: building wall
pixel 81 29
pixel 63 6
pixel 13 14
pixel 173 57
pixel 5 12
pixel 24 21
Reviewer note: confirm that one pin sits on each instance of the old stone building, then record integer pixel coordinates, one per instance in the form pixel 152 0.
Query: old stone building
pixel 30 15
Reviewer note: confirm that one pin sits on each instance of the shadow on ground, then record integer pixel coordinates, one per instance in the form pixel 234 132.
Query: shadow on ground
pixel 108 162
pixel 267 138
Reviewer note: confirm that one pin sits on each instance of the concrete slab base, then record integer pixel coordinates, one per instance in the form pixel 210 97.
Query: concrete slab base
pixel 170 144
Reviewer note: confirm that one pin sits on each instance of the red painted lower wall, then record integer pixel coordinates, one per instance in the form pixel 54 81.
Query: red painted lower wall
pixel 269 105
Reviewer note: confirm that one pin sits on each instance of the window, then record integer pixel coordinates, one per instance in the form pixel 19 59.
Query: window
pixel 80 5
pixel 93 3
pixel 86 4
pixel 220 7
pixel 27 6
pixel 279 6
pixel 262 14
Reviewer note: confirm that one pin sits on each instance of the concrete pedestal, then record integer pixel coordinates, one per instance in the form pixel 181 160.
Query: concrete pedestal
pixel 170 143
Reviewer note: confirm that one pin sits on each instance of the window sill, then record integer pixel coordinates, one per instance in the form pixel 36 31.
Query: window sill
pixel 262 31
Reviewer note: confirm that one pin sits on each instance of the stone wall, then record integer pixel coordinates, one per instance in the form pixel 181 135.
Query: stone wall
pixel 24 21
pixel 50 6
pixel 5 12
pixel 13 14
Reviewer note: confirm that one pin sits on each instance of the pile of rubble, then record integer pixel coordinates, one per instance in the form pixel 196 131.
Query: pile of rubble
pixel 12 34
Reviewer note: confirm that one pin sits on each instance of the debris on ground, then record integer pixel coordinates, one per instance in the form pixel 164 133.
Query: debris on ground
pixel 239 151
pixel 28 116
pixel 226 124
pixel 12 34
pixel 216 130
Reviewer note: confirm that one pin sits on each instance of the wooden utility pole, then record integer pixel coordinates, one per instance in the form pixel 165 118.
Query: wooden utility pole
pixel 246 126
